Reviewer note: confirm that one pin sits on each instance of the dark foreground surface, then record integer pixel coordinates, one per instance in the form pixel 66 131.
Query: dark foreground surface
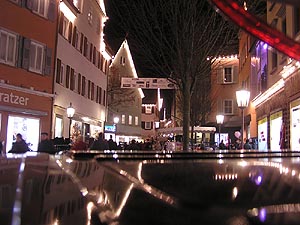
pixel 128 188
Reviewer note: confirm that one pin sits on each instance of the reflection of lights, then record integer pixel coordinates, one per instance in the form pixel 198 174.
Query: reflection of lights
pixel 139 172
pixel 226 176
pixel 262 215
pixel 220 161
pixel 89 211
pixel 242 163
pixel 84 191
pixel 56 222
pixel 234 192
pixel 293 172
pixel 69 160
pixel 115 156
pixel 124 200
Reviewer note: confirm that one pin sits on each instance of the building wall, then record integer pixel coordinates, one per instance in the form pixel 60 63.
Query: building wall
pixel 31 92
pixel 81 48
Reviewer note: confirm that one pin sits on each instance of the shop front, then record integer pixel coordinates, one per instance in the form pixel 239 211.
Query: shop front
pixel 275 128
pixel 23 111
pixel 263 134
pixel 295 125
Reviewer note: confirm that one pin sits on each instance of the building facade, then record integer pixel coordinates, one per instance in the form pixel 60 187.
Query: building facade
pixel 224 84
pixel 27 52
pixel 82 62
pixel 123 103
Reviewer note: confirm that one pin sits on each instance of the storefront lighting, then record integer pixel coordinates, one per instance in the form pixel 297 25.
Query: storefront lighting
pixel 242 98
pixel 220 120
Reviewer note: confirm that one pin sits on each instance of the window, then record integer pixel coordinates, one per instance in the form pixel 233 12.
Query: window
pixel 65 29
pixel 90 17
pixel 8 45
pixel 136 121
pixel 228 75
pixel 274 59
pixel 148 109
pixel 147 125
pixel 228 106
pixel 36 57
pixel 123 119
pixel 129 119
pixel 60 68
pixel 122 60
pixel 40 7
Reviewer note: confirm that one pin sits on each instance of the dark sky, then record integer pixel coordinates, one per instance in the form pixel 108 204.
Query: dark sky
pixel 114 35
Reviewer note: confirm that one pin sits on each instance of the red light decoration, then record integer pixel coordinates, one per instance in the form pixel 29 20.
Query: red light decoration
pixel 258 28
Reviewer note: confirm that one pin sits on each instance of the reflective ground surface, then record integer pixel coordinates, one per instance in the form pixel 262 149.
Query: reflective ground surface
pixel 150 188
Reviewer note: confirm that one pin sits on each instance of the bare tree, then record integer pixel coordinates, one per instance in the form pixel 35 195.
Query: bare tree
pixel 174 38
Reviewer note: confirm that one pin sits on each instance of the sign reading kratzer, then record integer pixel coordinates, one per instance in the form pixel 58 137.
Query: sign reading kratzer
pixel 147 83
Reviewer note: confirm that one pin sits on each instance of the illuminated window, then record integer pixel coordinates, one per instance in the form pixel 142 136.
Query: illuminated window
pixel 8 45
pixel 90 17
pixel 228 106
pixel 228 75
pixel 148 109
pixel 136 121
pixel 147 125
pixel 65 29
pixel 129 119
pixel 123 119
pixel 36 57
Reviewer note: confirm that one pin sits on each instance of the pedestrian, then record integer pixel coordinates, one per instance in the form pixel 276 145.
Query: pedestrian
pixel 79 144
pixel 247 145
pixel 45 144
pixel 19 146
pixel 222 146
pixel 112 144
pixel 100 143
pixel 133 146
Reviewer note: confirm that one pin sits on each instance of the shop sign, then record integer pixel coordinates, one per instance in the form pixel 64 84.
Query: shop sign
pixel 13 99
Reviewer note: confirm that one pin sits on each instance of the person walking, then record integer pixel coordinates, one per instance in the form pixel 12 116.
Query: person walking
pixel 100 143
pixel 19 146
pixel 247 145
pixel 112 144
pixel 45 144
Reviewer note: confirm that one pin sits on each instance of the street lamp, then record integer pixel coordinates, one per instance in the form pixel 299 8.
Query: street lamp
pixel 70 114
pixel 242 98
pixel 220 120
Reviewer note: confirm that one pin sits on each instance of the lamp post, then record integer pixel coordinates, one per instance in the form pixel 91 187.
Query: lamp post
pixel 242 98
pixel 70 114
pixel 220 120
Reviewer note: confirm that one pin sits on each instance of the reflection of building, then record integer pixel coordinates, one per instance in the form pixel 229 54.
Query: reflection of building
pixel 81 66
pixel 124 103
pixel 26 65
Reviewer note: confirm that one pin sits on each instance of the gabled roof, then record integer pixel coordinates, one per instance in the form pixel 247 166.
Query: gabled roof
pixel 125 46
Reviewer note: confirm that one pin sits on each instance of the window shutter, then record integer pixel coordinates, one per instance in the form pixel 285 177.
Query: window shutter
pixel 70 32
pixel 26 53
pixel 20 51
pixel 61 22
pixel 74 36
pixel 235 74
pixel 220 76
pixel 51 10
pixel 58 67
pixel 143 109
pixel 220 106
pixel 151 125
pixel 143 124
pixel 72 84
pixel 79 83
pixel 152 109
pixel 48 57
pixel 81 42
pixel 29 4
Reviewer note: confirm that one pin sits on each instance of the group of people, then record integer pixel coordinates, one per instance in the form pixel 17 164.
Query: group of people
pixel 249 144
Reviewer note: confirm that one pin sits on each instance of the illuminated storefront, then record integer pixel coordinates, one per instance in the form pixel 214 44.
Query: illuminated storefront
pixel 275 127
pixel 23 111
pixel 295 124
pixel 263 134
